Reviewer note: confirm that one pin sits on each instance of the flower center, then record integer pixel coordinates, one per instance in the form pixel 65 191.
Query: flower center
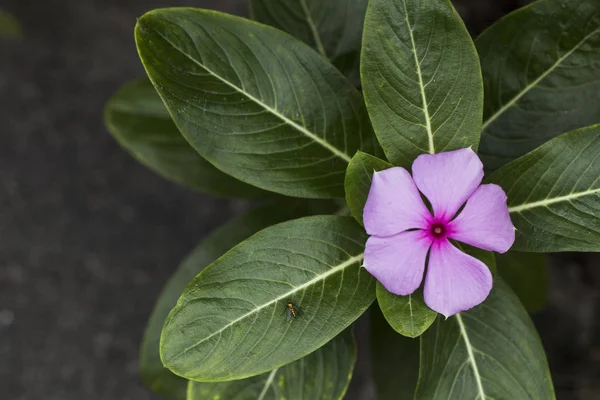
pixel 437 230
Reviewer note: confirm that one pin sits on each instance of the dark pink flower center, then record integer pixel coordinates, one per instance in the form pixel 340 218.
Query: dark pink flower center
pixel 437 230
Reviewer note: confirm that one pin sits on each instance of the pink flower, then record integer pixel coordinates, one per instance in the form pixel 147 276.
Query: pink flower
pixel 403 231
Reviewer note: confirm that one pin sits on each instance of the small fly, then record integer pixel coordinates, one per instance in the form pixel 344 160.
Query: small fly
pixel 291 310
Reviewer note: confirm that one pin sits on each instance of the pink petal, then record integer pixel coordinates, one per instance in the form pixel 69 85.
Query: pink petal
pixel 448 179
pixel 398 261
pixel 485 221
pixel 394 204
pixel 455 281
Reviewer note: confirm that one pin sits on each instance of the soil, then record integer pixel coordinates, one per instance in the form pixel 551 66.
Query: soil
pixel 88 236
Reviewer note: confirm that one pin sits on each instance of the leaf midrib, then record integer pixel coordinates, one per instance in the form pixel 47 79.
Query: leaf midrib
pixel 549 201
pixel 412 322
pixel 469 347
pixel 313 29
pixel 425 107
pixel 535 82
pixel 268 108
pixel 318 278
pixel 268 383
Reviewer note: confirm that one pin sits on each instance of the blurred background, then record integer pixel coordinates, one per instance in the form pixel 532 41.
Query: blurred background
pixel 88 236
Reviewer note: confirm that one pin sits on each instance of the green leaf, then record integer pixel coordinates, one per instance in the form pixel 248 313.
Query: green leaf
pixel 540 71
pixel 408 315
pixel 321 375
pixel 138 120
pixel 527 275
pixel 160 379
pixel 333 27
pixel 421 78
pixel 358 181
pixel 489 352
pixel 9 26
pixel 230 322
pixel 255 102
pixel 395 360
pixel 554 194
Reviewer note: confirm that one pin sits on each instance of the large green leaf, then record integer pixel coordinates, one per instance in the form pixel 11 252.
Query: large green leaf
pixel 527 275
pixel 321 375
pixel 9 26
pixel 160 379
pixel 395 360
pixel 408 315
pixel 255 102
pixel 139 121
pixel 489 352
pixel 554 194
pixel 540 71
pixel 230 322
pixel 358 181
pixel 421 78
pixel 333 27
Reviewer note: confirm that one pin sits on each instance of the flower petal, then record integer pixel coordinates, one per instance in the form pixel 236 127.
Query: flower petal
pixel 398 261
pixel 447 179
pixel 455 281
pixel 394 204
pixel 485 221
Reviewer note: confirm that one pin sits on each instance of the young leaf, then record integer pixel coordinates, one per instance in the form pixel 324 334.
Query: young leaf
pixel 157 377
pixel 395 360
pixel 540 70
pixel 358 181
pixel 421 78
pixel 230 322
pixel 333 27
pixel 408 315
pixel 255 102
pixel 9 26
pixel 489 352
pixel 527 275
pixel 138 120
pixel 322 375
pixel 554 194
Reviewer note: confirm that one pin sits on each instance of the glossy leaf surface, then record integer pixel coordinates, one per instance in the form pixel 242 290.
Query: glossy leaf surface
pixel 540 70
pixel 230 322
pixel 255 102
pixel 408 315
pixel 160 379
pixel 321 375
pixel 333 28
pixel 554 194
pixel 489 352
pixel 421 78
pixel 138 120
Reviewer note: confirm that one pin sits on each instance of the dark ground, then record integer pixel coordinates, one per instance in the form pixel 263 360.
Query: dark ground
pixel 88 236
